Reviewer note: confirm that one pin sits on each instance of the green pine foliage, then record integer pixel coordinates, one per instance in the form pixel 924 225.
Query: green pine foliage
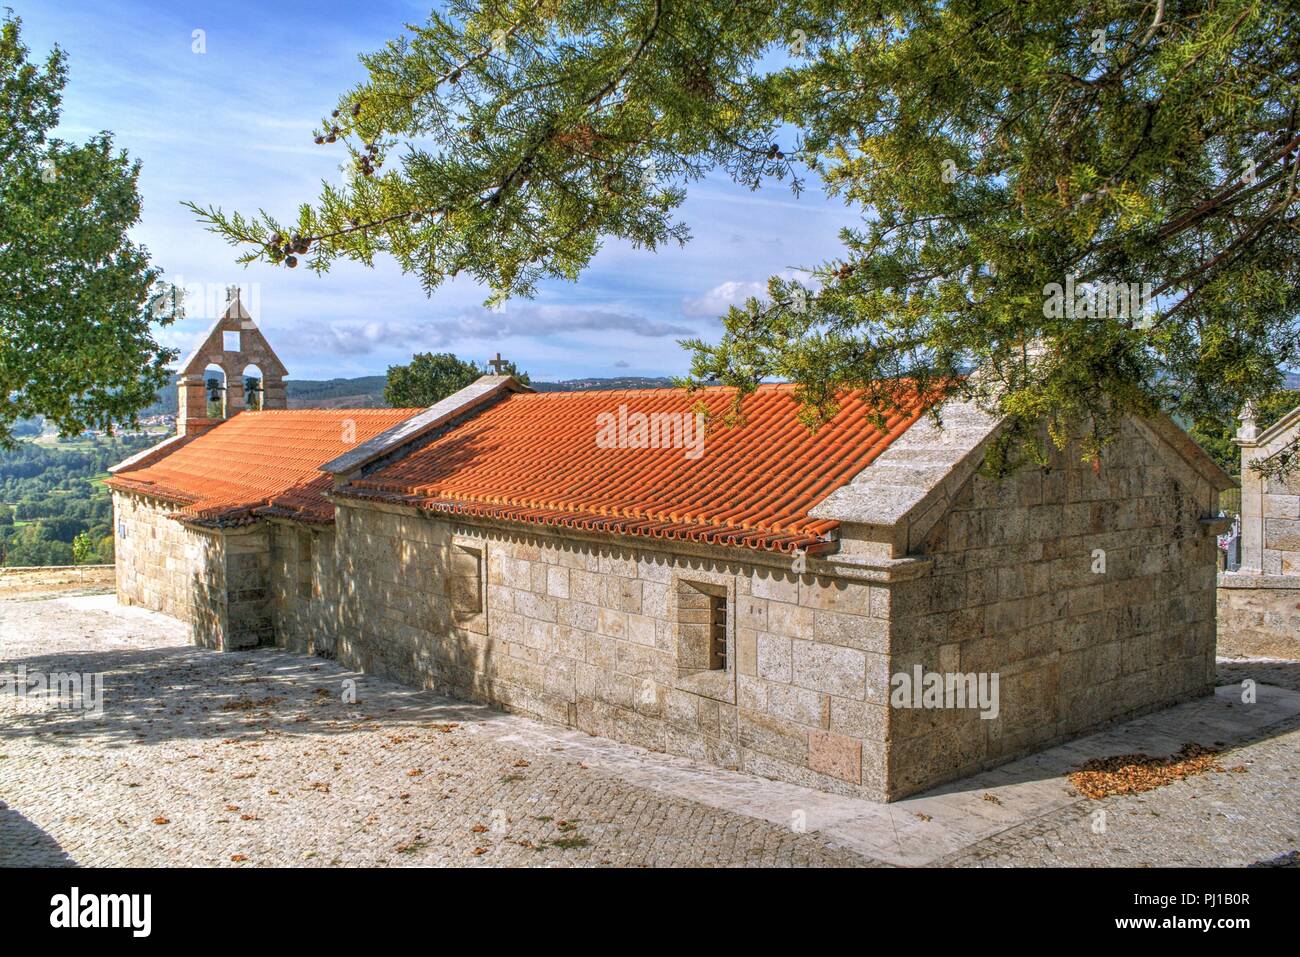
pixel 999 152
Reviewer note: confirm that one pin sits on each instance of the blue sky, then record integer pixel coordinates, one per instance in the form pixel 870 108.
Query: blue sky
pixel 232 126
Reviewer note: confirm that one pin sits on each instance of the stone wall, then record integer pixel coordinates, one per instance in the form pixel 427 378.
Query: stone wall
pixel 589 634
pixel 247 608
pixel 1090 593
pixel 1259 616
pixel 1281 515
pixel 303 587
pixel 159 561
pixel 1018 587
pixel 214 579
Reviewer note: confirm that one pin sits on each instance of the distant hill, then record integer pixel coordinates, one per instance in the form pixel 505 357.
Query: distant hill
pixel 366 392
pixel 618 382
pixel 361 393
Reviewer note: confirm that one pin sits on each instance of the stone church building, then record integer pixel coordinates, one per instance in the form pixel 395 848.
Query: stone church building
pixel 757 601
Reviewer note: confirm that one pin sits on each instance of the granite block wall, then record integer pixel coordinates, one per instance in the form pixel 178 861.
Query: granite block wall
pixel 303 587
pixel 216 579
pixel 1089 592
pixel 160 562
pixel 589 634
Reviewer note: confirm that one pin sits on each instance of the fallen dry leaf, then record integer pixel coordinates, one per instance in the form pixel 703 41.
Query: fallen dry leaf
pixel 238 858
pixel 245 703
pixel 479 828
pixel 161 820
pixel 1135 773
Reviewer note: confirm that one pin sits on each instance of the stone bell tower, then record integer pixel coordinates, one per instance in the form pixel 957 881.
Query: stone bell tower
pixel 233 344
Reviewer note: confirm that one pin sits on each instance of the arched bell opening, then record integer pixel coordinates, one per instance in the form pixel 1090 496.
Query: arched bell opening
pixel 254 388
pixel 214 386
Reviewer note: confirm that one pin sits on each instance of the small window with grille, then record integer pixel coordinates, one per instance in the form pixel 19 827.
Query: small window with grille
pixel 717 632
pixel 701 627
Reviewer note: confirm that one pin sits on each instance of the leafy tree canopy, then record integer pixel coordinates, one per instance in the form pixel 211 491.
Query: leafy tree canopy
pixel 1004 156
pixel 78 295
pixel 430 377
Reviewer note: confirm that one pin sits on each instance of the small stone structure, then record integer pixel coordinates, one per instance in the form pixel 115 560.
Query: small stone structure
pixel 1259 603
pixel 1081 593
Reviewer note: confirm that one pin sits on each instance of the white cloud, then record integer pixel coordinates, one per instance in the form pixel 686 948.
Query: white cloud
pixel 720 298
pixel 345 337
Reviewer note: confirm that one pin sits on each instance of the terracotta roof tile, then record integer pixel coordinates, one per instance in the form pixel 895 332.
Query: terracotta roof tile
pixel 534 457
pixel 258 463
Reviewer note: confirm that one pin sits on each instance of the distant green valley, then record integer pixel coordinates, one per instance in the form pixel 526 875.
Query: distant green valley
pixel 55 510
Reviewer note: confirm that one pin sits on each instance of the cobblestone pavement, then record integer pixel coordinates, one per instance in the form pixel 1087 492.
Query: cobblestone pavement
pixel 1211 820
pixel 1215 819
pixel 1267 671
pixel 255 759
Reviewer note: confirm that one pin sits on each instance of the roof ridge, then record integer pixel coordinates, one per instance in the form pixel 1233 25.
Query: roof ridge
pixel 661 390
pixel 367 410
pixel 904 382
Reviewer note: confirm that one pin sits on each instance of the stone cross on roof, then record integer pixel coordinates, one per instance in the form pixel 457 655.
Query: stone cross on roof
pixel 498 364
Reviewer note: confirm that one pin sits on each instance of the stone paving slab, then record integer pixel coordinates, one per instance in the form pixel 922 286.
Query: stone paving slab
pixel 408 777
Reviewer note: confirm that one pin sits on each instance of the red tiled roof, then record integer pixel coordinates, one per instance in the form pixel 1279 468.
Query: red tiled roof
pixel 534 457
pixel 258 463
